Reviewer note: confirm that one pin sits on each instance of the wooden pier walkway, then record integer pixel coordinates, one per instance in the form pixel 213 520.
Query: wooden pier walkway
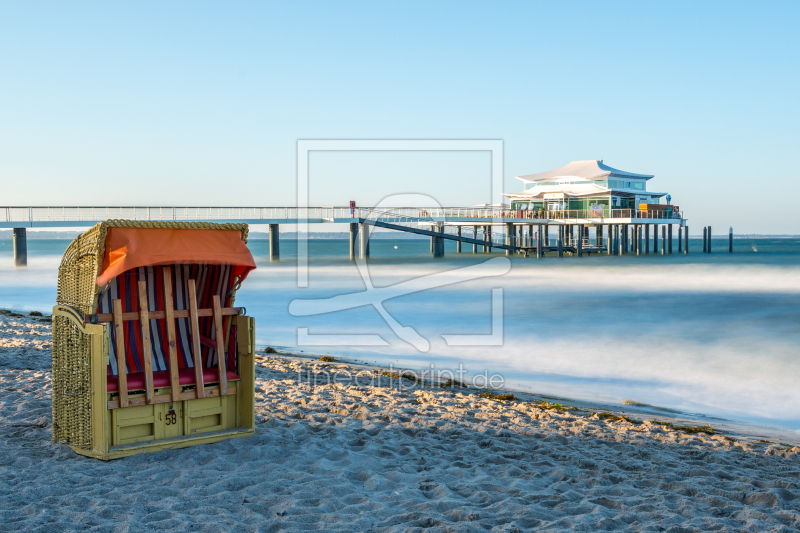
pixel 616 231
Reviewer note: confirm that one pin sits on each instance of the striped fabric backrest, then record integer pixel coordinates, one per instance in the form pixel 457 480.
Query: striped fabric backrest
pixel 210 280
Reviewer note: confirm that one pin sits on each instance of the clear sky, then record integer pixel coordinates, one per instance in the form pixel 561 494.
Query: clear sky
pixel 191 103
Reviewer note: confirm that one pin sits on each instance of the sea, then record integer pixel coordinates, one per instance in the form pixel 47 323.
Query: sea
pixel 712 334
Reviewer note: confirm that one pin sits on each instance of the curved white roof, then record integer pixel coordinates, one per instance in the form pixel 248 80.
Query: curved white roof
pixel 591 169
pixel 580 189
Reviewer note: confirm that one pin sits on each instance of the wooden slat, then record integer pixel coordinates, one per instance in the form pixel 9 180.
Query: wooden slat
pixel 144 322
pixel 167 398
pixel 223 378
pixel 194 324
pixel 122 366
pixel 158 315
pixel 171 338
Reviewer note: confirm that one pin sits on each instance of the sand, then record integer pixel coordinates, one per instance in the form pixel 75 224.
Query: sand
pixel 363 456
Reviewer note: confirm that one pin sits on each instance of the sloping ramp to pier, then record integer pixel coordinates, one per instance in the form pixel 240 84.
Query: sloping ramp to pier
pixel 442 235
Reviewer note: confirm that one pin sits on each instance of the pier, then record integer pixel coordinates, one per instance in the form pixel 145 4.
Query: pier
pixel 516 232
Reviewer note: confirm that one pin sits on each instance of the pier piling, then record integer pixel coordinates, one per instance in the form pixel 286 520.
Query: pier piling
pixel 509 237
pixel 539 251
pixel 438 242
pixel 669 237
pixel 705 239
pixel 579 244
pixel 663 240
pixel 625 244
pixel 647 239
pixel 680 239
pixel 730 240
pixel 458 243
pixel 709 239
pixel 655 238
pixel 20 247
pixel 363 240
pixel 475 237
pixel 353 236
pixel 629 238
pixel 685 240
pixel 274 242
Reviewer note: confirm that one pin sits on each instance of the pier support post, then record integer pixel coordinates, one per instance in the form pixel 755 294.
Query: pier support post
pixel 685 240
pixel 638 243
pixel 474 237
pixel 579 244
pixel 274 242
pixel 680 239
pixel 546 234
pixel 530 235
pixel 669 236
pixel 598 235
pixel 363 240
pixel 610 240
pixel 539 251
pixel 647 239
pixel 631 233
pixel 663 240
pixel 730 240
pixel 709 239
pixel 458 243
pixel 705 239
pixel 488 239
pixel 655 238
pixel 353 236
pixel 438 242
pixel 20 247
pixel 560 240
pixel 509 237
pixel 623 245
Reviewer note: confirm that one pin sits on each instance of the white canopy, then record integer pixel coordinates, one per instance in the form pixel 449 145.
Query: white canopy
pixel 579 190
pixel 589 170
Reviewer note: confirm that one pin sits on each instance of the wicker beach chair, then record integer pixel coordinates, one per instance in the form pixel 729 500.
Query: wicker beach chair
pixel 148 351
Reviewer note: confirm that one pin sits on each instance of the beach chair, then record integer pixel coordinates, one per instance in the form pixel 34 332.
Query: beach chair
pixel 149 353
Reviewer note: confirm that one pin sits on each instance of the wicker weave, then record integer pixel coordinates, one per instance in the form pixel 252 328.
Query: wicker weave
pixel 77 273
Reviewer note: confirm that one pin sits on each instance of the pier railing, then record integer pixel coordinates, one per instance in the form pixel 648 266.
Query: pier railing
pixel 321 214
pixel 406 213
pixel 76 214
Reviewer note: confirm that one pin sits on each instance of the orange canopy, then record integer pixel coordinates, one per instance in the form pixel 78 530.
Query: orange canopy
pixel 128 248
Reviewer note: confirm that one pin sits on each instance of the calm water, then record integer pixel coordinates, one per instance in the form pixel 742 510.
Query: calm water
pixel 715 334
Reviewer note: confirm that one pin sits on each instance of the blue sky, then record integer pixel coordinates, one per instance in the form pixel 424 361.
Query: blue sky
pixel 203 103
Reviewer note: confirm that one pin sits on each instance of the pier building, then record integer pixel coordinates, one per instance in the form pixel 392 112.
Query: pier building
pixel 586 187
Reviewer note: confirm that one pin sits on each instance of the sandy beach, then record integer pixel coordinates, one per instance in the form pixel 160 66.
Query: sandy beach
pixel 341 447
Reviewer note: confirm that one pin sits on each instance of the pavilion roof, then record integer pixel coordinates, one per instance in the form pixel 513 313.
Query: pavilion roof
pixel 580 190
pixel 589 170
